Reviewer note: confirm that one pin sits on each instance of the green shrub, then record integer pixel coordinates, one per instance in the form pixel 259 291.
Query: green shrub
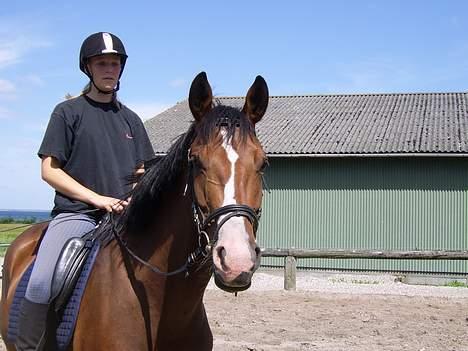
pixel 456 284
pixel 9 220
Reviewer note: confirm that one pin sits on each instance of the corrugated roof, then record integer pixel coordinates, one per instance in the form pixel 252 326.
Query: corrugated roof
pixel 415 123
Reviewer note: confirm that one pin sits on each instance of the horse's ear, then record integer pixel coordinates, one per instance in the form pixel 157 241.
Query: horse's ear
pixel 256 101
pixel 200 96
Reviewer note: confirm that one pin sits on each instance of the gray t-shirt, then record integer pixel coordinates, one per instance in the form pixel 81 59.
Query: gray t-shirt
pixel 98 145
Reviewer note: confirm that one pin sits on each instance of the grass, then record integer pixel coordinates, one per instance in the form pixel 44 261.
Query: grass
pixel 8 232
pixel 456 284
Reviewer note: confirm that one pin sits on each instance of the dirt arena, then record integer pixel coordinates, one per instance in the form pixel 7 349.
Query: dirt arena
pixel 296 321
pixel 334 313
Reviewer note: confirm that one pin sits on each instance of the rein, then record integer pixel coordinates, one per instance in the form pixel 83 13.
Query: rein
pixel 192 259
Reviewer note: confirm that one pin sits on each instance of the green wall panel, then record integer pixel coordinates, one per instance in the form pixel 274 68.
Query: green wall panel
pixel 413 203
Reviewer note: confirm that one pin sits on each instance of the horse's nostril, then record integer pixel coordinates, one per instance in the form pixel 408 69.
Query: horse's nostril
pixel 221 252
pixel 258 251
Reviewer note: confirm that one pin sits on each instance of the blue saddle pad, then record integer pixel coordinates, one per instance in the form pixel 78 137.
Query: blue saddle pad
pixel 68 318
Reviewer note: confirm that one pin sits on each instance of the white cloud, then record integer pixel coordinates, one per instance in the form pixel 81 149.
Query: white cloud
pixel 374 75
pixel 178 83
pixel 34 80
pixel 147 110
pixel 9 90
pixel 8 55
pixel 14 46
pixel 5 113
pixel 18 37
pixel 14 49
pixel 6 87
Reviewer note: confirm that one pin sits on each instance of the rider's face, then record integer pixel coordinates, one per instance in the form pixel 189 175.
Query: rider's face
pixel 105 70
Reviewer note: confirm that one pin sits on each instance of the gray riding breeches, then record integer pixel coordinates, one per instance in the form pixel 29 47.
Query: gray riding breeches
pixel 63 227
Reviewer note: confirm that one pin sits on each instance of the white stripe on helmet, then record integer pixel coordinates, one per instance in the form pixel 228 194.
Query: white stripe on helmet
pixel 109 44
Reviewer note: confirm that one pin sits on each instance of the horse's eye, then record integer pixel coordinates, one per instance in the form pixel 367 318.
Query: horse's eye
pixel 195 161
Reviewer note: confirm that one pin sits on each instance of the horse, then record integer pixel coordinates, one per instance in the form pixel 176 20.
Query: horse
pixel 192 215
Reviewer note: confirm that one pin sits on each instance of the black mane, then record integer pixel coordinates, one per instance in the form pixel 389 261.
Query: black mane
pixel 161 173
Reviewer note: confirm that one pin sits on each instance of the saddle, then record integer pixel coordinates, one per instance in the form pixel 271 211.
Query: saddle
pixel 68 269
pixel 70 277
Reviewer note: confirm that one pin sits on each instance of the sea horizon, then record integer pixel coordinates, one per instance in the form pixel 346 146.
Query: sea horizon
pixel 23 210
pixel 36 215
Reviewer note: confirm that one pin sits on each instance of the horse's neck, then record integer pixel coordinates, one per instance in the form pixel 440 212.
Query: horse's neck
pixel 170 232
pixel 166 244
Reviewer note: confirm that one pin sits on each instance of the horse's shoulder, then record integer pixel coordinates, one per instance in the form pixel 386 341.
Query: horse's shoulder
pixel 29 238
pixel 23 248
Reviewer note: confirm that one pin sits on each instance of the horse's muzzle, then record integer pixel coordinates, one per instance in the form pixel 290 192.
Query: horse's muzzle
pixel 230 279
pixel 241 283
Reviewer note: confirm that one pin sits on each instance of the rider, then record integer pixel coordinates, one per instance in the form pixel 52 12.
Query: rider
pixel 92 144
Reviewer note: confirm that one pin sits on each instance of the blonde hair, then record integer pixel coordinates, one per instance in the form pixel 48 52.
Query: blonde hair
pixel 86 89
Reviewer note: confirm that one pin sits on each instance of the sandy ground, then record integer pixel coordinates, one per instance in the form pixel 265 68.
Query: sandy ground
pixel 339 312
pixel 287 321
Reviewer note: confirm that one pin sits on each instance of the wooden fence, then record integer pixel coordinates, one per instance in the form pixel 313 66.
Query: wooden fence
pixel 290 255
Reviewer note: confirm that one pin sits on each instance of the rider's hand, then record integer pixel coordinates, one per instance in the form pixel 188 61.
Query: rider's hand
pixel 139 171
pixel 109 204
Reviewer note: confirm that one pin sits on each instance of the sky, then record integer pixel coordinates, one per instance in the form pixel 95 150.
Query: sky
pixel 299 47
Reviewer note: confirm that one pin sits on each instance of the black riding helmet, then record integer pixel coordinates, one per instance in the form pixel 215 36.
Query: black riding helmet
pixel 100 44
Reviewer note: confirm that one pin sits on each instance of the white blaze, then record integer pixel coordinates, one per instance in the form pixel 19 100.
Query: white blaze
pixel 233 232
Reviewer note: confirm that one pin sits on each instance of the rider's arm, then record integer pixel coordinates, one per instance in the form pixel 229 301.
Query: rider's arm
pixel 58 179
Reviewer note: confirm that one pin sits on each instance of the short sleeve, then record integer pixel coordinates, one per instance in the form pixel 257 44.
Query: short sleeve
pixel 143 145
pixel 58 139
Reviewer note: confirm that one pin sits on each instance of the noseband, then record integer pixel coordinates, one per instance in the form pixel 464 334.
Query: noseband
pixel 228 211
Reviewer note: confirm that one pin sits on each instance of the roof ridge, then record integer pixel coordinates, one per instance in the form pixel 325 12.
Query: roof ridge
pixel 233 97
pixel 353 94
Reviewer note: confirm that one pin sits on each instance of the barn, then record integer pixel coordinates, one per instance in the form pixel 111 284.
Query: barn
pixel 360 171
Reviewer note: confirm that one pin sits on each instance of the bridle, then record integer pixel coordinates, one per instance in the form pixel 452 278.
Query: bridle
pixel 228 211
pixel 211 222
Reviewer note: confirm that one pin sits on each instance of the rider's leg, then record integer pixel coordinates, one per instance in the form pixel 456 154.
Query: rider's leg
pixel 33 310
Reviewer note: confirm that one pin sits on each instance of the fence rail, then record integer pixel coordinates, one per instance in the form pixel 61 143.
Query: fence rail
pixel 376 254
pixel 290 256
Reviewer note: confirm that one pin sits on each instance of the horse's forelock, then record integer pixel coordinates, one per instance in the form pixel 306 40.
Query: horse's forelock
pixel 229 118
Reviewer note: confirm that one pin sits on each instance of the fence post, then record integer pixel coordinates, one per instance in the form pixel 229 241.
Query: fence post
pixel 290 273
